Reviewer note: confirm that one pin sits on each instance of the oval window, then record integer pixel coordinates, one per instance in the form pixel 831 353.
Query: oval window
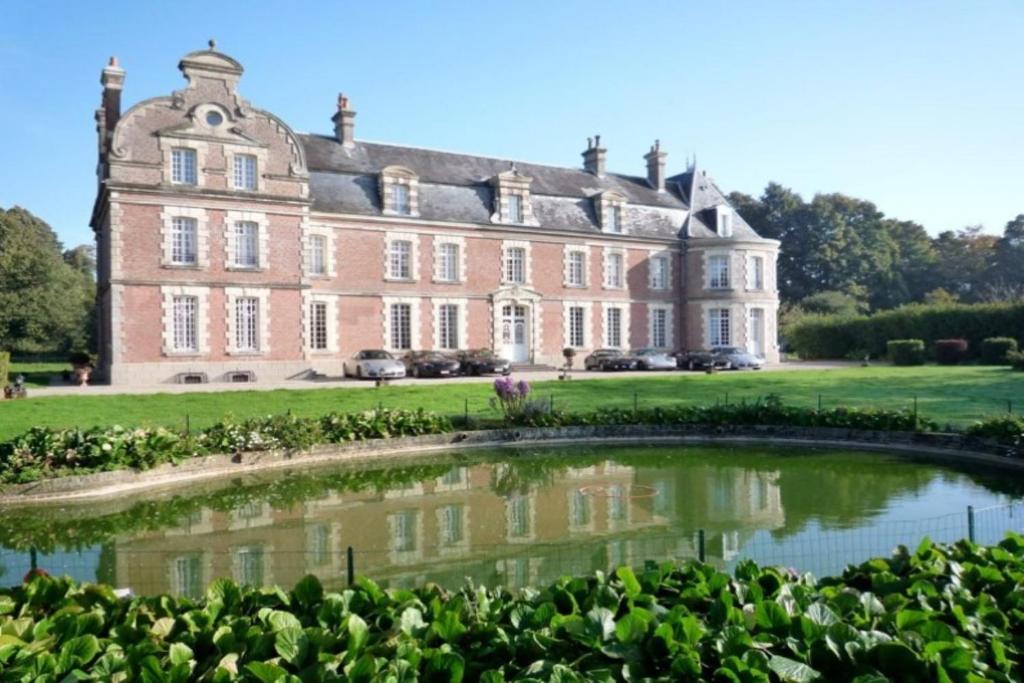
pixel 214 118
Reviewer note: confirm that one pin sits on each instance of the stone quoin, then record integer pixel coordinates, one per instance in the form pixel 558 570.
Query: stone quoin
pixel 231 246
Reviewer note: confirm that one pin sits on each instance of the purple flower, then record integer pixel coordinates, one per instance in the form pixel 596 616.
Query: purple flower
pixel 523 387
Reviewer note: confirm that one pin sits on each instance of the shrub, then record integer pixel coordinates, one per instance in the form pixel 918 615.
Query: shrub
pixel 997 350
pixel 5 367
pixel 950 351
pixel 833 336
pixel 906 351
pixel 1016 359
pixel 1006 429
pixel 940 613
pixel 80 358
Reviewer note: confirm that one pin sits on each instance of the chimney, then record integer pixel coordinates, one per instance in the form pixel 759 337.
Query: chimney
pixel 656 166
pixel 344 123
pixel 593 158
pixel 112 80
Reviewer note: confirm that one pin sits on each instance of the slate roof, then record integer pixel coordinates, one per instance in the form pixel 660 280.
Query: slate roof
pixel 457 187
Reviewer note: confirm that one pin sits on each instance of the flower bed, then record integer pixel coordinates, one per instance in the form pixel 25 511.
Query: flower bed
pixel 941 613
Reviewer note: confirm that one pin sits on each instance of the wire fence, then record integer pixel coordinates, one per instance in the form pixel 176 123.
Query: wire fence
pixel 820 548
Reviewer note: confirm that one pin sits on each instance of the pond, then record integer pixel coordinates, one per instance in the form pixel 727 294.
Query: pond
pixel 516 517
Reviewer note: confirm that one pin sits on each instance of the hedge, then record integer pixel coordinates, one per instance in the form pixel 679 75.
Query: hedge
pixel 997 350
pixel 5 367
pixel 950 351
pixel 940 613
pixel 816 336
pixel 905 351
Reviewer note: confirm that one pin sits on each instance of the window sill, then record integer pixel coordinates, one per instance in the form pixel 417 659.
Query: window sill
pixel 448 282
pixel 245 354
pixel 569 285
pixel 397 214
pixel 399 279
pixel 184 354
pixel 245 269
pixel 181 266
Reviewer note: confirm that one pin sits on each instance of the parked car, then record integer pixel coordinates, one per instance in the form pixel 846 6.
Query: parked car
pixel 430 364
pixel 609 359
pixel 700 360
pixel 482 362
pixel 375 364
pixel 653 359
pixel 737 358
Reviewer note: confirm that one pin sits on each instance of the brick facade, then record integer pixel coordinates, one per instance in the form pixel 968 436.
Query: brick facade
pixel 219 272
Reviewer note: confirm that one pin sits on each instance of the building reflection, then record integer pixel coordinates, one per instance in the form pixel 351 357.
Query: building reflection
pixel 468 523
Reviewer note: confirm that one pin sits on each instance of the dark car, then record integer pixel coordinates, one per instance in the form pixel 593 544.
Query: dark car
pixel 609 359
pixel 700 360
pixel 430 364
pixel 483 362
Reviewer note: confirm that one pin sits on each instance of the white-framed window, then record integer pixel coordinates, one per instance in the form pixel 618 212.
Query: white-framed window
pixel 187 576
pixel 718 272
pixel 400 260
pixel 719 330
pixel 659 327
pixel 247 244
pixel 404 531
pixel 448 326
pixel 248 565
pixel 400 199
pixel 449 262
pixel 183 166
pixel 184 238
pixel 247 324
pixel 576 269
pixel 756 273
pixel 577 326
pixel 401 326
pixel 245 172
pixel 613 327
pixel 185 316
pixel 659 272
pixel 580 513
pixel 613 270
pixel 317 254
pixel 724 223
pixel 614 217
pixel 519 516
pixel 515 265
pixel 318 325
pixel 318 544
pixel 452 530
pixel 515 208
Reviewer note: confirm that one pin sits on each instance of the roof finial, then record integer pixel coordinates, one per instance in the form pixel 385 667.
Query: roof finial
pixel 342 102
pixel 597 141
pixel 113 61
pixel 212 43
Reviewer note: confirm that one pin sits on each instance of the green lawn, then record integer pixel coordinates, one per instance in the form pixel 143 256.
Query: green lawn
pixel 37 374
pixel 950 395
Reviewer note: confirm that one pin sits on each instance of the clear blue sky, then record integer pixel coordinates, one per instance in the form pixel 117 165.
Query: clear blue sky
pixel 917 106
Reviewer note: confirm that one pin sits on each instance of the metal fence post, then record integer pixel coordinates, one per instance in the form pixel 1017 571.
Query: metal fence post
pixel 351 566
pixel 1009 407
pixel 915 411
pixel 970 523
pixel 636 401
pixel 700 545
pixel 466 412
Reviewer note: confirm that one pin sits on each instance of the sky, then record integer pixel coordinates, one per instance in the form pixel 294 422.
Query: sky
pixel 915 106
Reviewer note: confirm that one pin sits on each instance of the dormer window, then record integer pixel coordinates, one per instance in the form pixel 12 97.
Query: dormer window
pixel 399 191
pixel 724 227
pixel 245 172
pixel 515 209
pixel 609 209
pixel 183 166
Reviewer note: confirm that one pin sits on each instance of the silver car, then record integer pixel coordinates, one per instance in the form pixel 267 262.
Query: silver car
pixel 374 364
pixel 737 358
pixel 653 359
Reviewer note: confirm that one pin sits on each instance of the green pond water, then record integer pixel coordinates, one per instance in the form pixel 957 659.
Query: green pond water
pixel 516 517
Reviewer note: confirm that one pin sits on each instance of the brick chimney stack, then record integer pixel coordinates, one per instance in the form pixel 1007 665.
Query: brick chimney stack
pixel 593 157
pixel 345 122
pixel 656 166
pixel 112 80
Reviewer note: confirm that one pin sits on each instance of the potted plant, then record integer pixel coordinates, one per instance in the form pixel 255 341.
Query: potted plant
pixel 569 354
pixel 81 362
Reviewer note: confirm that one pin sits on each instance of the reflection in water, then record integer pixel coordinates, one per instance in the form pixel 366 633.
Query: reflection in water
pixel 509 517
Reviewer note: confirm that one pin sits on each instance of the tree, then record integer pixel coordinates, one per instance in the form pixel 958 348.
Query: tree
pixel 964 262
pixel 833 303
pixel 1008 260
pixel 45 302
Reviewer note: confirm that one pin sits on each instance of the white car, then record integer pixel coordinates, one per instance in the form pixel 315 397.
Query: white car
pixel 653 359
pixel 374 364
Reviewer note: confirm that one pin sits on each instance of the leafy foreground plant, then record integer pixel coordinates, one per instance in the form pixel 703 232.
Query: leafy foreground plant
pixel 943 613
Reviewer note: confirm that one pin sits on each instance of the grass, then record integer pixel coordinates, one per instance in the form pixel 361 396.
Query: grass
pixel 37 374
pixel 957 396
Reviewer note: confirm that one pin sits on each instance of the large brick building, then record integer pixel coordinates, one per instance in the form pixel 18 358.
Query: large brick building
pixel 229 243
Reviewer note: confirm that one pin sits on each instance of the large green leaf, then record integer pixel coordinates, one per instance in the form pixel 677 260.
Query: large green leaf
pixel 629 582
pixel 631 628
pixel 791 670
pixel 179 653
pixel 266 672
pixel 292 644
pixel 309 591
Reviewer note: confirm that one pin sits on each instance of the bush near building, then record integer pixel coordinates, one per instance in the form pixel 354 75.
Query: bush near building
pixel 950 351
pixel 818 337
pixel 997 350
pixel 905 351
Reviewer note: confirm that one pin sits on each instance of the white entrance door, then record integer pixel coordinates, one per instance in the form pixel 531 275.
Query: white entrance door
pixel 756 334
pixel 515 333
